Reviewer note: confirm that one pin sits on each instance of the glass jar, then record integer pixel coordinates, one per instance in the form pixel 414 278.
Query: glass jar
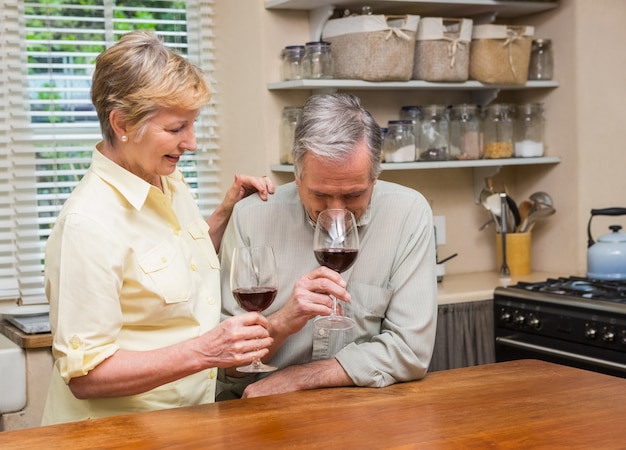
pixel 528 130
pixel 317 61
pixel 541 64
pixel 290 117
pixel 497 131
pixel 414 114
pixel 292 62
pixel 399 142
pixel 465 132
pixel 434 134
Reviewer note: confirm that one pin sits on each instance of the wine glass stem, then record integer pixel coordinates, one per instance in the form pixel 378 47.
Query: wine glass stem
pixel 334 308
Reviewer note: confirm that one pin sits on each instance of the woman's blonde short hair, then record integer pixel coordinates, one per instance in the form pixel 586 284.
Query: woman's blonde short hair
pixel 139 75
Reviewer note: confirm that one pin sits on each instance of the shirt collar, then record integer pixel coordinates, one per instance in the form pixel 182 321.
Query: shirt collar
pixel 130 186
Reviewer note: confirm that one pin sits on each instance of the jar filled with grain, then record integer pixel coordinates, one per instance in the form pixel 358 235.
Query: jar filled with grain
pixel 497 126
pixel 399 142
pixel 529 127
pixel 465 132
pixel 434 134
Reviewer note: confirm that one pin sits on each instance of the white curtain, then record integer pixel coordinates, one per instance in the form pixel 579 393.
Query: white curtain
pixel 48 126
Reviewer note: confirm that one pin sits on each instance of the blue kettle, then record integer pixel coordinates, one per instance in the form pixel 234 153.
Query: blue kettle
pixel 606 258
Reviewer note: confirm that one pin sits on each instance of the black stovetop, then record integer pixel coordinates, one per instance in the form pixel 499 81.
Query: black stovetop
pixel 580 287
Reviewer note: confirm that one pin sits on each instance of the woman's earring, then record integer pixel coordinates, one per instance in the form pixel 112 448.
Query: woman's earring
pixel 124 138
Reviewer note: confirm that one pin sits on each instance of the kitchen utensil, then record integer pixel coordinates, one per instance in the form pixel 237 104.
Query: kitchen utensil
pixel 525 208
pixel 535 215
pixel 542 199
pixel 504 268
pixel 512 206
pixel 606 258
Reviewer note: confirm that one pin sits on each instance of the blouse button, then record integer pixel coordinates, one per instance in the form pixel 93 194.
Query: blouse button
pixel 322 332
pixel 210 301
pixel 75 342
pixel 193 267
pixel 163 259
pixel 212 374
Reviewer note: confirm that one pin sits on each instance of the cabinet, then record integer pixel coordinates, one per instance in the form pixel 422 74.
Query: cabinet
pixel 481 11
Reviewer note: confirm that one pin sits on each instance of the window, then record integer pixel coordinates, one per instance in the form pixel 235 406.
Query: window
pixel 48 126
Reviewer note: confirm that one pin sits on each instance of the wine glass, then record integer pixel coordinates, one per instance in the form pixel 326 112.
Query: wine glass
pixel 336 244
pixel 254 283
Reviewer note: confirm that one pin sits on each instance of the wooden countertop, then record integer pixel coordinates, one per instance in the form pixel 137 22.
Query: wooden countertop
pixel 467 287
pixel 471 287
pixel 517 404
pixel 25 340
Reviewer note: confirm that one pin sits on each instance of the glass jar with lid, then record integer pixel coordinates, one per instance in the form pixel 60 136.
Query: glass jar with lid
pixel 434 134
pixel 414 114
pixel 317 61
pixel 399 142
pixel 290 117
pixel 292 62
pixel 528 130
pixel 465 132
pixel 541 64
pixel 497 127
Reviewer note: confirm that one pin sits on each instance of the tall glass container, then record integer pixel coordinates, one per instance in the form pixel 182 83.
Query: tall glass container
pixel 317 61
pixel 292 62
pixel 399 142
pixel 497 131
pixel 529 128
pixel 465 132
pixel 290 117
pixel 414 114
pixel 541 66
pixel 434 134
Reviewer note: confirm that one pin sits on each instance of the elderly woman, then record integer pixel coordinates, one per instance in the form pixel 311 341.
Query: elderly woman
pixel 131 269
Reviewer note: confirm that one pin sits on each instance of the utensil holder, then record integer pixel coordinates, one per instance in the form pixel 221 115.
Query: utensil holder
pixel 517 252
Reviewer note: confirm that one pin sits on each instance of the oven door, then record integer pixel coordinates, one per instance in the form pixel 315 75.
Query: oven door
pixel 511 345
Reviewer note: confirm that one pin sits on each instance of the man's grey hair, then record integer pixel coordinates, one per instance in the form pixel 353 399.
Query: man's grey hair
pixel 330 126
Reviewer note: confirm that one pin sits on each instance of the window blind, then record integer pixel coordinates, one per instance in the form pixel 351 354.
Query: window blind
pixel 48 126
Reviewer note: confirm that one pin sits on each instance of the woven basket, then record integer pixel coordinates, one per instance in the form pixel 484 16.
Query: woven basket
pixel 372 47
pixel 500 54
pixel 442 50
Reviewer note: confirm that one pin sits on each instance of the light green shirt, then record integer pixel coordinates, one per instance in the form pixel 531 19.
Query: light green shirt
pixel 127 267
pixel 393 283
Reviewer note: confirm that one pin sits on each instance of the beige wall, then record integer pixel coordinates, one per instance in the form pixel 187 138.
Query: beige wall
pixel 583 117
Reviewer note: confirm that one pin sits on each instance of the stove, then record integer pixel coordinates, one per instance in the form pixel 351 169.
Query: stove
pixel 575 321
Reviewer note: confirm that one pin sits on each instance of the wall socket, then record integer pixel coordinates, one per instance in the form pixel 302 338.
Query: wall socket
pixel 440 229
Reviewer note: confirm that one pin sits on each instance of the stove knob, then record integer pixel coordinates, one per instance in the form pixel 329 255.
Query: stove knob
pixel 590 333
pixel 608 336
pixel 534 322
pixel 519 319
pixel 505 316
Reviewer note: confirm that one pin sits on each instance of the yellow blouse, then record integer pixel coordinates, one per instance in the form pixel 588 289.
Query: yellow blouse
pixel 127 267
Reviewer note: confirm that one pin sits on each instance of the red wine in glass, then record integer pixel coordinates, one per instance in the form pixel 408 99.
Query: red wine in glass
pixel 254 283
pixel 338 259
pixel 255 299
pixel 335 245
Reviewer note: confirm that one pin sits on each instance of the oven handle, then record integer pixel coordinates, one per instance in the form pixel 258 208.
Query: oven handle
pixel 561 353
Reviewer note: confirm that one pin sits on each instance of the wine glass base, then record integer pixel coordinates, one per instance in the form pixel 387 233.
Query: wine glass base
pixel 256 368
pixel 334 322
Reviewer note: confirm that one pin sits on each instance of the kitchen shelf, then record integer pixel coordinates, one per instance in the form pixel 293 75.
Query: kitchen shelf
pixel 448 8
pixel 470 85
pixel 474 163
pixel 480 11
pixel 482 168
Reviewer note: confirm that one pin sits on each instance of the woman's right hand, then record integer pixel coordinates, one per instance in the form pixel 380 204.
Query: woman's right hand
pixel 236 341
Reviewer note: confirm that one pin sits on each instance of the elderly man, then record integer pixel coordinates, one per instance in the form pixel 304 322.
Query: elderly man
pixel 390 291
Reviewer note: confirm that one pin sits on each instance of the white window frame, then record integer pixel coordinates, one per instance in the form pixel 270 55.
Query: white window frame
pixel 25 222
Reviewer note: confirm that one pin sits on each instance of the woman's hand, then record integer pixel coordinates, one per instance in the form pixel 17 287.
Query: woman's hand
pixel 245 185
pixel 242 186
